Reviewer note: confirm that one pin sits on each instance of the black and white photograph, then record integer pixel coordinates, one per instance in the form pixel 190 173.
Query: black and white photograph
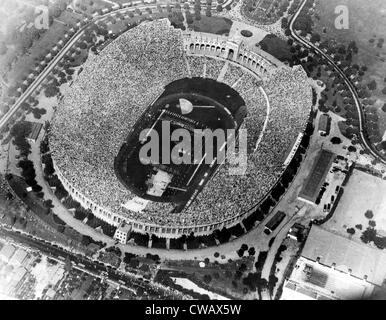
pixel 195 157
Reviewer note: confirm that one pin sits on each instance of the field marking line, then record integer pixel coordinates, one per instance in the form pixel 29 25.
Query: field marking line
pixel 265 121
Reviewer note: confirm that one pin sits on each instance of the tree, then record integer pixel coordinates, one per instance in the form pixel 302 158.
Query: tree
pixel 20 132
pixel 219 8
pixel 336 140
pixel 284 23
pixel 48 203
pixel 352 149
pixel 56 11
pixel 51 91
pixel 315 37
pixel 372 85
pixel 207 278
pixel 134 263
pixel 351 231
pixel 240 253
pixel 86 240
pixel 368 235
pixel 369 214
pixel 372 223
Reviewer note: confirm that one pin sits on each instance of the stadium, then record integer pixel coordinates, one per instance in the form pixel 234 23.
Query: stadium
pixel 193 105
pixel 125 88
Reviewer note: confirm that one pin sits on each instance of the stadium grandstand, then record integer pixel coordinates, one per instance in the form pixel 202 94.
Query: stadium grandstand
pixel 100 112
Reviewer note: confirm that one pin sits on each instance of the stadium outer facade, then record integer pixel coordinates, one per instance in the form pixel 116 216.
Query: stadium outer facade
pixel 257 62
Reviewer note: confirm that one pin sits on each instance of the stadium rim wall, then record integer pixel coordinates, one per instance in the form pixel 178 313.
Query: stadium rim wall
pixel 199 44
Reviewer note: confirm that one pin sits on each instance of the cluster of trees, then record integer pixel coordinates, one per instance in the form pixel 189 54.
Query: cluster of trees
pixel 157 242
pixel 244 248
pixel 218 236
pixel 193 242
pixel 295 4
pixel 129 257
pixel 29 175
pixel 255 11
pixel 304 21
pixel 54 182
pixel 48 166
pixel 343 56
pixel 253 280
pixel 19 132
pixel 370 235
pixel 95 222
pixel 197 9
pixel 176 19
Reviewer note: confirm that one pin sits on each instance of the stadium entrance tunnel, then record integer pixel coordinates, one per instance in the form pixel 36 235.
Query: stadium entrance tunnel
pixel 194 105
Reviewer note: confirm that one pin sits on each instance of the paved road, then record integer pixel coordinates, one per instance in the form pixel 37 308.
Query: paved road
pixel 366 144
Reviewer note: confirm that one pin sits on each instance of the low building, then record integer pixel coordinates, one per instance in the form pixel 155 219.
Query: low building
pixel 122 233
pixel 296 232
pixel 36 127
pixel 274 222
pixel 324 124
pixel 316 178
pixel 332 266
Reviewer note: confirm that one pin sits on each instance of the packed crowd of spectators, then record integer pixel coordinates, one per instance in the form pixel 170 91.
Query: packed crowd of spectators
pixel 196 66
pixel 109 96
pixel 213 67
pixel 232 75
pixel 116 86
pixel 290 99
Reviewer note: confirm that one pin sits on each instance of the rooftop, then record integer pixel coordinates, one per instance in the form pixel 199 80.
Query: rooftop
pixel 332 250
pixel 312 185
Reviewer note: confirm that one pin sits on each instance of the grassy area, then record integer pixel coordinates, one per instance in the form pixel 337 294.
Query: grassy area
pixel 363 192
pixel 225 279
pixel 16 64
pixel 277 47
pixel 214 25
